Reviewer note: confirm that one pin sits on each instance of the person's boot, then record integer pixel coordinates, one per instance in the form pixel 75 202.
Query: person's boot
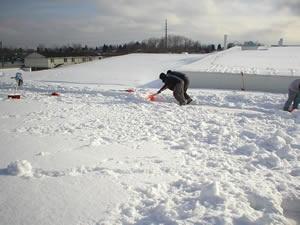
pixel 286 108
pixel 182 103
pixel 189 101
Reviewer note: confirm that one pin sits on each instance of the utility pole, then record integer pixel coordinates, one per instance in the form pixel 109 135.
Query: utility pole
pixel 166 34
pixel 1 55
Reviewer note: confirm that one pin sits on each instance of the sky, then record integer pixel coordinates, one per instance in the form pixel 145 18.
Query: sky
pixel 97 22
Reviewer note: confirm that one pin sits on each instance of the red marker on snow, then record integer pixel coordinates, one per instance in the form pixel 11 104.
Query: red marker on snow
pixel 151 97
pixel 291 110
pixel 130 90
pixel 14 96
pixel 55 94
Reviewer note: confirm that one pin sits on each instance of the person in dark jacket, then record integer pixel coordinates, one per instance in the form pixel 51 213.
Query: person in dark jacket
pixel 293 96
pixel 186 83
pixel 175 84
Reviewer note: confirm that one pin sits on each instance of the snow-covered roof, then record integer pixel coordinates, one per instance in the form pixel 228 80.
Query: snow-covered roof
pixel 97 154
pixel 35 55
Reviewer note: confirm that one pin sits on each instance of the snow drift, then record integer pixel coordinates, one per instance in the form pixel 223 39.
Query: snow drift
pixel 98 154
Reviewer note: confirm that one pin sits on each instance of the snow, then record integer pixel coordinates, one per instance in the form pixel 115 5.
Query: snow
pixel 282 61
pixel 98 154
pixel 19 168
pixel 137 69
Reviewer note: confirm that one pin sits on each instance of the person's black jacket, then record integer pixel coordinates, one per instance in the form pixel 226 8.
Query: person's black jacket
pixel 178 74
pixel 170 82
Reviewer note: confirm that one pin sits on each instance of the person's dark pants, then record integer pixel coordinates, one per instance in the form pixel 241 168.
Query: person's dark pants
pixel 293 97
pixel 296 101
pixel 178 93
pixel 186 85
pixel 20 83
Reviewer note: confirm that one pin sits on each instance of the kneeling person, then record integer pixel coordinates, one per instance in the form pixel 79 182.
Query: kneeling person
pixel 186 83
pixel 176 85
pixel 293 96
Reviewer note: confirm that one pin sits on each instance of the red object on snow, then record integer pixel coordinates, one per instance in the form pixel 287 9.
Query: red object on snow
pixel 130 90
pixel 14 96
pixel 291 110
pixel 151 98
pixel 55 94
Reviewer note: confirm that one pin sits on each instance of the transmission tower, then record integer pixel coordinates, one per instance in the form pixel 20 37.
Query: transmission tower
pixel 166 34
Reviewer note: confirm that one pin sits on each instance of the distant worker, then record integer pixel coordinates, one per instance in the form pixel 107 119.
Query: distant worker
pixel 293 96
pixel 186 83
pixel 18 78
pixel 175 84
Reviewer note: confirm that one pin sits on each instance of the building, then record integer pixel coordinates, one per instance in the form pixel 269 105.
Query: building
pixel 250 45
pixel 225 41
pixel 38 61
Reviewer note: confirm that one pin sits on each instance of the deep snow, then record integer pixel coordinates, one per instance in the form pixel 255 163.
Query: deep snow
pixel 267 61
pixel 97 154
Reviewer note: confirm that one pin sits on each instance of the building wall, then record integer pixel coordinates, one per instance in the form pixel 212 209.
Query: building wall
pixel 53 62
pixel 234 81
pixel 249 48
pixel 69 60
pixel 36 62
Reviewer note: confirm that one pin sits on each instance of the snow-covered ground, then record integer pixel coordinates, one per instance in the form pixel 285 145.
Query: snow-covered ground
pixel 267 61
pixel 98 154
pixel 130 70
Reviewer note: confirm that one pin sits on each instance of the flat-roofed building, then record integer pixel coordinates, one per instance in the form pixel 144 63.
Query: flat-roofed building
pixel 38 61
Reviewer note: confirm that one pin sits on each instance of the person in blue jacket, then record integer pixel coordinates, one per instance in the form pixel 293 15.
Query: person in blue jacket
pixel 18 78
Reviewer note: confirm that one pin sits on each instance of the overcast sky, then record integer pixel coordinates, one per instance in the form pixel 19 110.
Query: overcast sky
pixel 27 23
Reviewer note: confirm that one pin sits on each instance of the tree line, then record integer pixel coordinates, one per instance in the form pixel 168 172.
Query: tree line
pixel 174 44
